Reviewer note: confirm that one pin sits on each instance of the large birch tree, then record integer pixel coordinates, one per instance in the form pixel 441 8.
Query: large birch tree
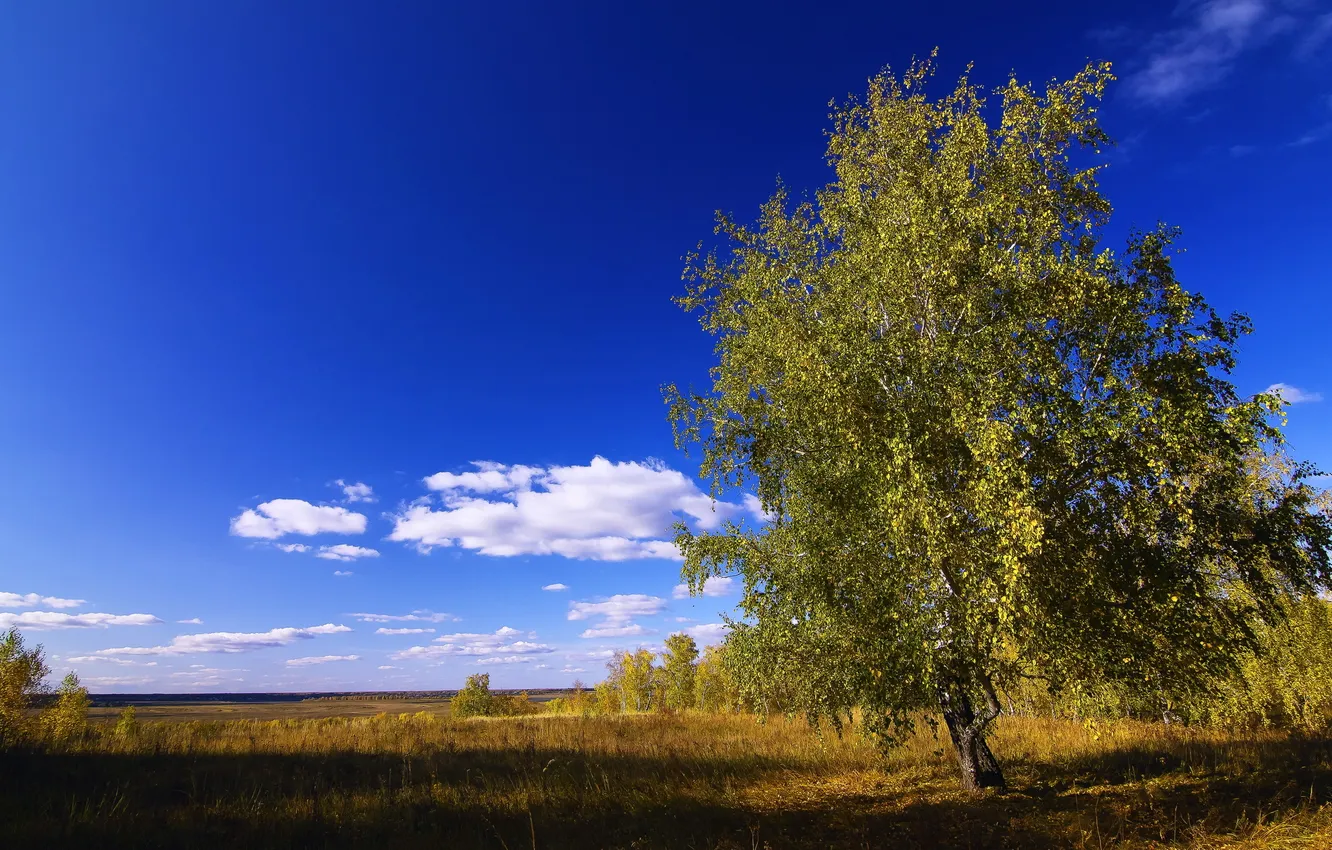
pixel 990 446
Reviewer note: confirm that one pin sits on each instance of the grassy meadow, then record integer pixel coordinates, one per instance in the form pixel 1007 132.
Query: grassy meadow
pixel 410 779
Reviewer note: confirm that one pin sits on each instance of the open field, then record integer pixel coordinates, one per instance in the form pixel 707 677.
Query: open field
pixel 213 707
pixel 657 781
pixel 313 709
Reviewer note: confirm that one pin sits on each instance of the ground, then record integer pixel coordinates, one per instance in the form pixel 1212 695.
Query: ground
pixel 340 773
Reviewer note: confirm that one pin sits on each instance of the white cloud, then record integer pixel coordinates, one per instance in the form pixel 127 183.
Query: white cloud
pixel 228 642
pixel 383 631
pixel 489 478
pixel 418 616
pixel 343 573
pixel 555 588
pixel 603 511
pixel 619 608
pixel 193 621
pixel 89 659
pixel 358 492
pixel 615 614
pixel 568 669
pixel 387 667
pixel 597 655
pixel 42 620
pixel 505 659
pixel 715 586
pixel 293 547
pixel 1293 395
pixel 1203 49
pixel 294 516
pixel 629 630
pixel 345 552
pixel 32 600
pixel 503 642
pixel 320 659
pixel 709 633
pixel 755 508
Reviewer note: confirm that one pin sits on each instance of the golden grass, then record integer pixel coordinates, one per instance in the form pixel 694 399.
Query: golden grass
pixel 650 781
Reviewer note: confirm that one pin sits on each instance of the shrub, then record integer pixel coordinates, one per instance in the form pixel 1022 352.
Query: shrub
pixel 68 718
pixel 475 699
pixel 21 673
pixel 127 725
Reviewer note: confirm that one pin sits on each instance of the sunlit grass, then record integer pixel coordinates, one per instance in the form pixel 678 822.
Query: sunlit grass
pixel 698 781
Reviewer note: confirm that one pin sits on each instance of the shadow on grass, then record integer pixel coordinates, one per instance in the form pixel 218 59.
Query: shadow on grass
pixel 506 799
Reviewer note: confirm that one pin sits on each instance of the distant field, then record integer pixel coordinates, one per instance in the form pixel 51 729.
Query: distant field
pixel 184 707
pixel 306 709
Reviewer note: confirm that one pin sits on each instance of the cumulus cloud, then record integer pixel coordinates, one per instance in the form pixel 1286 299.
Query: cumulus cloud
pixel 1203 49
pixel 320 659
pixel 345 552
pixel 387 667
pixel 358 492
pixel 383 631
pixel 602 511
pixel 619 608
pixel 293 547
pixel 1293 395
pixel 568 669
pixel 275 518
pixel 417 616
pixel 44 620
pixel 506 659
pixel 505 641
pixel 228 642
pixel 555 588
pixel 709 633
pixel 89 659
pixel 193 621
pixel 616 613
pixel 32 600
pixel 343 573
pixel 715 586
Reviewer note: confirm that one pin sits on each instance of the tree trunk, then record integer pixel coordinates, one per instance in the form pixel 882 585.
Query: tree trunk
pixel 979 767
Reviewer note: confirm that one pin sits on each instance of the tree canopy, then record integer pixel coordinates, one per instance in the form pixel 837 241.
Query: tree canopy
pixel 990 446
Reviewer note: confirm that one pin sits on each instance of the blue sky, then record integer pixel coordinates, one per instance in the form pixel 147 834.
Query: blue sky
pixel 274 277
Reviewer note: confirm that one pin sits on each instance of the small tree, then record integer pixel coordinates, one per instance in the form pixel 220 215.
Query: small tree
pixel 715 690
pixel 638 681
pixel 475 699
pixel 606 698
pixel 678 673
pixel 68 718
pixel 22 672
pixel 127 725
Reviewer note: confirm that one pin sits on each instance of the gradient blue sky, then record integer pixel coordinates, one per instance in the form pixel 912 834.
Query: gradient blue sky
pixel 251 250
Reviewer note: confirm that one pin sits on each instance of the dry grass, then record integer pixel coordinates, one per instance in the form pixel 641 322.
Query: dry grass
pixel 659 781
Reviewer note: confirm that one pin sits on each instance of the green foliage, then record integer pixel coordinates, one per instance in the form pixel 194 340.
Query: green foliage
pixel 581 702
pixel 992 446
pixel 715 686
pixel 678 674
pixel 127 725
pixel 67 720
pixel 1287 681
pixel 475 699
pixel 634 679
pixel 22 672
